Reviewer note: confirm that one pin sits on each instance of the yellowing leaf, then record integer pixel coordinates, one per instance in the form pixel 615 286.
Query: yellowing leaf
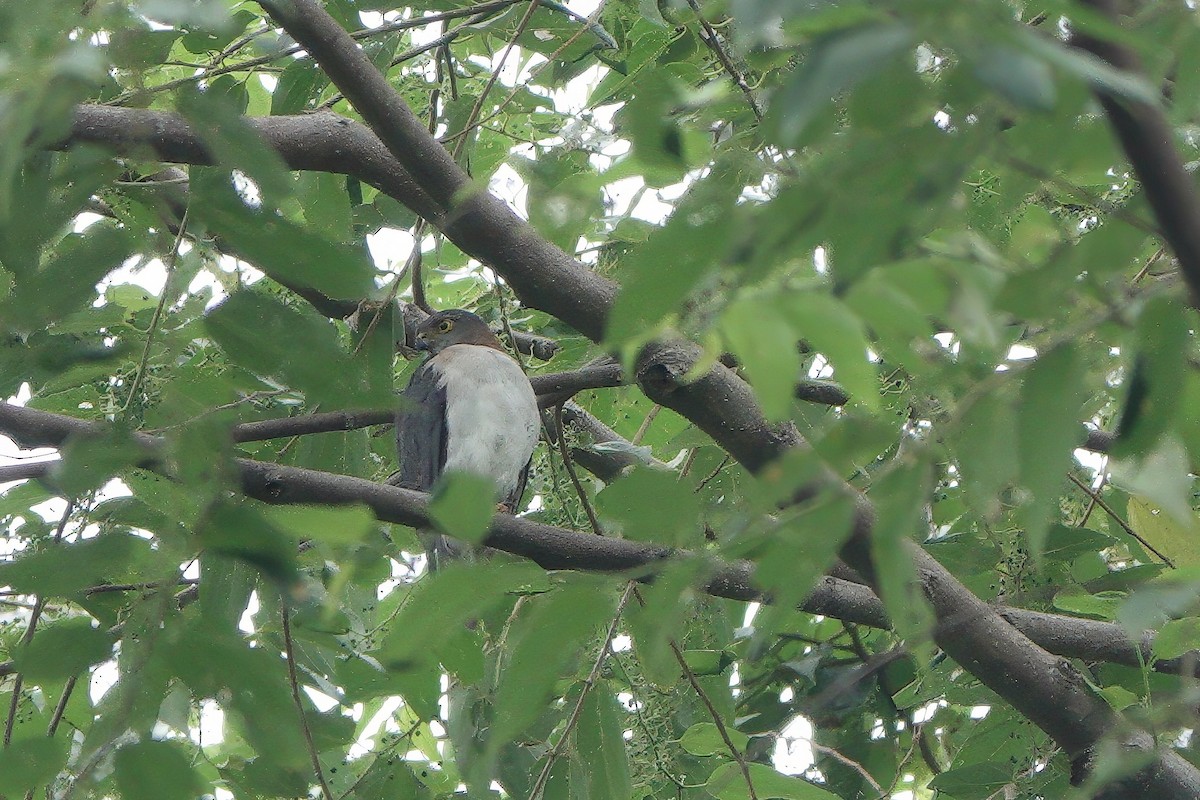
pixel 1177 542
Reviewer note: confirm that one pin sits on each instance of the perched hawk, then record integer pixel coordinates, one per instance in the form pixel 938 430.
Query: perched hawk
pixel 468 408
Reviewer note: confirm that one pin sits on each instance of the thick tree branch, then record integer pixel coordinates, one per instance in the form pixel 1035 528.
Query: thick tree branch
pixel 557 548
pixel 1043 688
pixel 1148 139
pixel 478 222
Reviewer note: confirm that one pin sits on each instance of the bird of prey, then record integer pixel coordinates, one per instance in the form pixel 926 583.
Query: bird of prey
pixel 468 408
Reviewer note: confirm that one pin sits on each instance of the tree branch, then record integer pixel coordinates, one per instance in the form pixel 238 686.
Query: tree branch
pixel 557 548
pixel 1045 689
pixel 1148 139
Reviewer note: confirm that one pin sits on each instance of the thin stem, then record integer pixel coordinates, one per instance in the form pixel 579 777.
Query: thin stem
pixel 308 739
pixel 61 707
pixel 35 614
pixel 645 426
pixel 714 44
pixel 480 13
pixel 851 763
pixel 478 107
pixel 716 717
pixel 569 463
pixel 540 785
pixel 712 709
pixel 532 75
pixel 155 320
pixel 1117 519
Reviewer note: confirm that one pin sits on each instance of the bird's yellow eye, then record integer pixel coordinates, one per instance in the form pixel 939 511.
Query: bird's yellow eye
pixel 445 326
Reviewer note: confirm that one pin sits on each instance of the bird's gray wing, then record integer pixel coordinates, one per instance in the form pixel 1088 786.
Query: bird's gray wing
pixel 421 429
pixel 421 447
pixel 512 501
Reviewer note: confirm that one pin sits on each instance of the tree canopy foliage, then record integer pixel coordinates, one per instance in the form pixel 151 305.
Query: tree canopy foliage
pixel 879 316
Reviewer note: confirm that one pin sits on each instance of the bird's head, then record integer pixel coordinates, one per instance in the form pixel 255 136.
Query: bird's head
pixel 445 328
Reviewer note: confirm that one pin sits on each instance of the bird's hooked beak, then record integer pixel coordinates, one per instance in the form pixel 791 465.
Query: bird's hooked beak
pixel 421 342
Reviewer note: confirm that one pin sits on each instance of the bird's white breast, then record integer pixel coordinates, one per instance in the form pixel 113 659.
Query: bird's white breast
pixel 491 414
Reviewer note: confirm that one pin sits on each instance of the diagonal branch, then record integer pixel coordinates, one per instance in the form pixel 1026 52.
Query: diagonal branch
pixel 1045 689
pixel 1148 139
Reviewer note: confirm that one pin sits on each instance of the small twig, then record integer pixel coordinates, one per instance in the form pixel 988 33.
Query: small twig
pixel 39 606
pixel 716 717
pixel 710 476
pixel 507 323
pixel 556 751
pixel 849 762
pixel 569 463
pixel 1117 519
pixel 172 258
pixel 532 75
pixel 714 44
pixel 411 265
pixel 476 109
pixel 645 426
pixel 441 41
pixel 61 707
pixel 712 709
pixel 308 739
pixel 481 12
pixel 1150 262
pixel 1091 506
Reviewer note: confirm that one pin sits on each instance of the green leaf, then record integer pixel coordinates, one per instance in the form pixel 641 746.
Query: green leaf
pixel 691 242
pixel 64 569
pixel 548 635
pixel 601 745
pixel 1163 478
pixel 30 763
pixel 704 739
pixel 91 461
pixel 747 326
pixel 443 602
pixel 837 62
pixel 338 525
pixel 708 662
pixel 1178 542
pixel 900 498
pixel 67 281
pixel 253 685
pixel 1177 637
pixel 1066 544
pixel 1092 69
pixel 1048 414
pixel 1154 397
pixel 987 452
pixel 727 783
pixel 652 506
pixel 296 255
pixel 238 530
pixel 63 649
pixel 298 349
pixel 156 771
pixel 1099 606
pixel 1155 603
pixel 235 144
pixel 228 584
pixel 1018 75
pixel 836 332
pixel 972 782
pixel 463 505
